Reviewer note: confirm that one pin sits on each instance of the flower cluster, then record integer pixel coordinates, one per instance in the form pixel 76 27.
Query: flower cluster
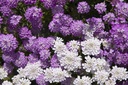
pixel 63 42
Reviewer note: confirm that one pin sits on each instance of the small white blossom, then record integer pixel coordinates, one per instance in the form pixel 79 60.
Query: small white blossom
pixel 73 45
pixel 55 75
pixel 3 73
pixel 82 81
pixel 119 73
pixel 59 46
pixel 91 46
pixel 70 61
pixel 7 83
pixel 101 76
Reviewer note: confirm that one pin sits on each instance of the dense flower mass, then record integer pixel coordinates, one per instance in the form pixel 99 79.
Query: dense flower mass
pixel 63 42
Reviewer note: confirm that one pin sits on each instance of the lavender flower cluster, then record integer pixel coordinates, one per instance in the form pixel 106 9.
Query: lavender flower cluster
pixel 63 42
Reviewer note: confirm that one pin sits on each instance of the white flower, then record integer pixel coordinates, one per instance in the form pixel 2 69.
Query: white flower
pixel 23 81
pixel 82 81
pixel 7 83
pixel 101 76
pixel 73 45
pixel 95 64
pixel 3 73
pixel 70 61
pixel 55 75
pixel 59 46
pixel 89 64
pixel 91 46
pixel 17 80
pixel 110 82
pixel 119 73
pixel 31 71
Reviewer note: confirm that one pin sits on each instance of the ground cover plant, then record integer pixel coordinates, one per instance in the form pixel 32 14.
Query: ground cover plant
pixel 63 42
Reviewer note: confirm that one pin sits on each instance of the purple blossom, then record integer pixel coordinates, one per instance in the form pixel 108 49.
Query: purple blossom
pixel 6 11
pixel 34 15
pixel 109 17
pixel 8 67
pixel 48 3
pixel 61 23
pixel 8 42
pixel 122 9
pixel 40 80
pixel 29 2
pixel 44 54
pixel 25 33
pixel 15 19
pixel 76 28
pixel 83 7
pixel 100 7
pixel 9 57
pixel 32 58
pixel 54 61
pixel 57 9
pixel 95 23
pixel 21 60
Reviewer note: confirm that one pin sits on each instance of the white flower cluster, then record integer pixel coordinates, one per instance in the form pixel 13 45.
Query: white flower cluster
pixel 17 80
pixel 68 59
pixel 95 64
pixel 82 81
pixel 7 83
pixel 55 75
pixel 91 46
pixel 3 73
pixel 31 71
pixel 119 73
pixel 101 76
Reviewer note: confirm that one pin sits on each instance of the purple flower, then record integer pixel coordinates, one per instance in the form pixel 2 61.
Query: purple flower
pixel 57 9
pixel 21 60
pixel 83 7
pixel 121 59
pixel 9 57
pixel 8 42
pixel 95 23
pixel 15 19
pixel 61 23
pixel 109 17
pixel 29 2
pixel 8 67
pixel 48 3
pixel 33 58
pixel 44 55
pixel 54 61
pixel 122 9
pixel 76 28
pixel 11 3
pixel 25 33
pixel 100 7
pixel 40 80
pixel 6 11
pixel 33 13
